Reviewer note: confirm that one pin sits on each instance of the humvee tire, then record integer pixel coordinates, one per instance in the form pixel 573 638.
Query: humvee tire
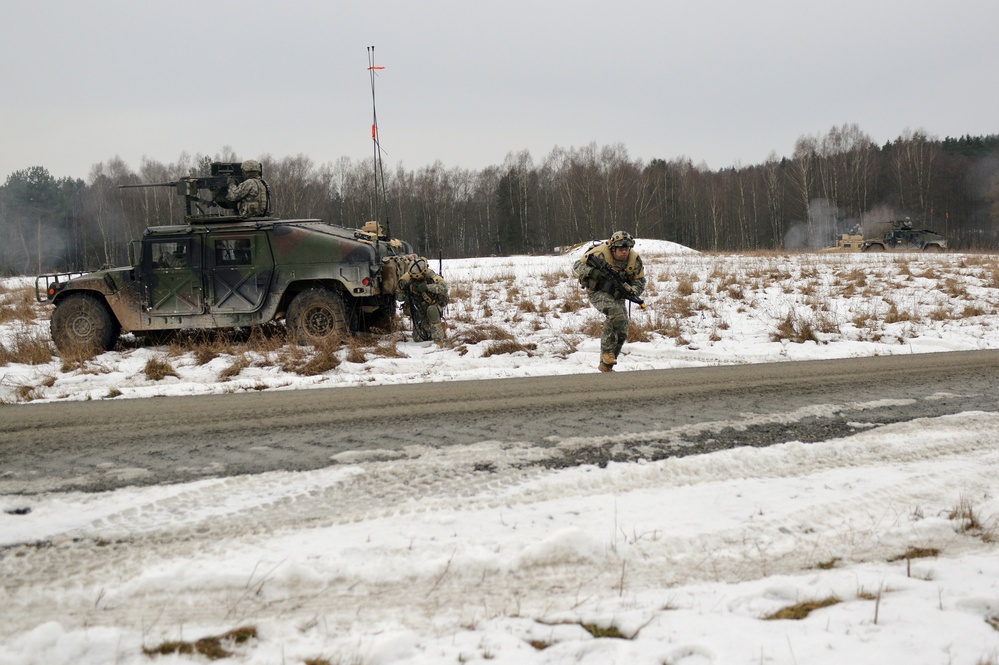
pixel 317 316
pixel 81 323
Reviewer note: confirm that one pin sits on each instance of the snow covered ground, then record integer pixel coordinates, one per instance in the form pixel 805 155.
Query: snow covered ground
pixel 427 559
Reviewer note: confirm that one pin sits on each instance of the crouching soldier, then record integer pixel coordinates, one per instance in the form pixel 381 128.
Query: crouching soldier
pixel 425 294
pixel 611 272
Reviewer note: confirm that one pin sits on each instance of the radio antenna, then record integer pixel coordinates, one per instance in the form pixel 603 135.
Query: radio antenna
pixel 379 170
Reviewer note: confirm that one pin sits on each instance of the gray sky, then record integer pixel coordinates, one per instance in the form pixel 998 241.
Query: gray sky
pixel 723 82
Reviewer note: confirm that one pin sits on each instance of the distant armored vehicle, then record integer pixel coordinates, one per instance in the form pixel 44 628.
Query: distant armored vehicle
pixel 902 237
pixel 220 271
pixel 846 242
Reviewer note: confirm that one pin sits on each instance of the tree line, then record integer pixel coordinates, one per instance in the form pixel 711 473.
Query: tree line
pixel 832 183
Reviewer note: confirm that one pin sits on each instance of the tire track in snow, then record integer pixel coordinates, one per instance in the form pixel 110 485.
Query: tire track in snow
pixel 877 517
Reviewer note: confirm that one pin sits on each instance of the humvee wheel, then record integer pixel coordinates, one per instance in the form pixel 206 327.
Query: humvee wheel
pixel 875 248
pixel 317 316
pixel 82 324
pixel 933 248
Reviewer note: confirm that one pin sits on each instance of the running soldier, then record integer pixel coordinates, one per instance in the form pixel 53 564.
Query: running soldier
pixel 611 272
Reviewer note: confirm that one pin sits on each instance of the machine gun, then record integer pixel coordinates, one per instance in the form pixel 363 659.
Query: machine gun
pixel 217 186
pixel 614 282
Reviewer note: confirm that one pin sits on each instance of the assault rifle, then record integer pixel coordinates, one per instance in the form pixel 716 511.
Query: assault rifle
pixel 216 184
pixel 614 282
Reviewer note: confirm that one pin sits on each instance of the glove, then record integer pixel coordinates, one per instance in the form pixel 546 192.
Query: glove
pixel 230 181
pixel 420 287
pixel 628 287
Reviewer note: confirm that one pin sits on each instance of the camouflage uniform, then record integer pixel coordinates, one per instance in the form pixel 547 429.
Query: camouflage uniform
pixel 250 196
pixel 425 295
pixel 607 299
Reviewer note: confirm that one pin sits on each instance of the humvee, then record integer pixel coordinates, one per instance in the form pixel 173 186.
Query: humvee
pixel 219 270
pixel 846 242
pixel 901 236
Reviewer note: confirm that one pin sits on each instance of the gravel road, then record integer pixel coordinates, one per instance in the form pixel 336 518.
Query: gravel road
pixel 578 419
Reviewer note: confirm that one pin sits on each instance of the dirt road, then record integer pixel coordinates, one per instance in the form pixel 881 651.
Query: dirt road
pixel 96 446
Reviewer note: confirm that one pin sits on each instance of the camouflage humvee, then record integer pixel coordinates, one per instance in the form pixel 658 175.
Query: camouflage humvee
pixel 901 236
pixel 224 271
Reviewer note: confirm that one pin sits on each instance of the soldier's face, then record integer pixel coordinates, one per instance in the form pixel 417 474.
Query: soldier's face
pixel 620 253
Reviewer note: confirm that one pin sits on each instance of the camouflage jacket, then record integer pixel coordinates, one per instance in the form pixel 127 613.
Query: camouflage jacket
pixel 593 279
pixel 250 197
pixel 436 292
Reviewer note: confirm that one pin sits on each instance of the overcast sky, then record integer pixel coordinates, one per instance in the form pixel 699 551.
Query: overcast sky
pixel 722 82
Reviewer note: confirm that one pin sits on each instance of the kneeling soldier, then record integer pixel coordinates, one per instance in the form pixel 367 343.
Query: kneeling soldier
pixel 425 295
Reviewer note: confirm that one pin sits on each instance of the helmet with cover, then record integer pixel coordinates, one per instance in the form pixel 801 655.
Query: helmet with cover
pixel 251 166
pixel 419 266
pixel 622 239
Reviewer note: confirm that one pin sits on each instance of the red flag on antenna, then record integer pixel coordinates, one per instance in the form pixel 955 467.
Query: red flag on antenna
pixel 373 67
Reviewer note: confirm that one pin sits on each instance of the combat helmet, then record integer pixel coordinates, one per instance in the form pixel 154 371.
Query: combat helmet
pixel 373 227
pixel 622 239
pixel 418 266
pixel 251 166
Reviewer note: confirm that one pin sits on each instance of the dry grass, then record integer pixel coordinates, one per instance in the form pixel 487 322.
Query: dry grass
pixel 574 302
pixel 234 369
pixel 212 648
pixel 27 347
pixel 970 311
pixel 896 315
pixel 964 514
pixel 18 305
pixel 917 553
pixel 685 285
pixel 482 333
pixel 794 329
pixel 157 370
pixel 801 610
pixel 504 346
pixel 691 300
pixel 312 361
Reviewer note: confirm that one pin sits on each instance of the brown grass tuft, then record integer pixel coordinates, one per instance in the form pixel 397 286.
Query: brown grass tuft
pixel 482 333
pixel 156 369
pixel 801 610
pixel 18 304
pixel 794 329
pixel 318 360
pixel 234 369
pixel 26 348
pixel 917 553
pixel 504 346
pixel 213 648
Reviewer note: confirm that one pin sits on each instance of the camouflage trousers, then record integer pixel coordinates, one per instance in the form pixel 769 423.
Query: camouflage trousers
pixel 615 330
pixel 427 323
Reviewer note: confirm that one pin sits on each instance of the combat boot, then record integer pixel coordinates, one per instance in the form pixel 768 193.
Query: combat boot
pixel 607 362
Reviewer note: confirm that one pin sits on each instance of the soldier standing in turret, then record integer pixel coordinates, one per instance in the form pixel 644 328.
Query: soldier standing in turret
pixel 425 294
pixel 250 196
pixel 605 294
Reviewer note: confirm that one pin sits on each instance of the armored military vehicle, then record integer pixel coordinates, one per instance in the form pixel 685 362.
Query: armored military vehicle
pixel 219 270
pixel 902 237
pixel 846 242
